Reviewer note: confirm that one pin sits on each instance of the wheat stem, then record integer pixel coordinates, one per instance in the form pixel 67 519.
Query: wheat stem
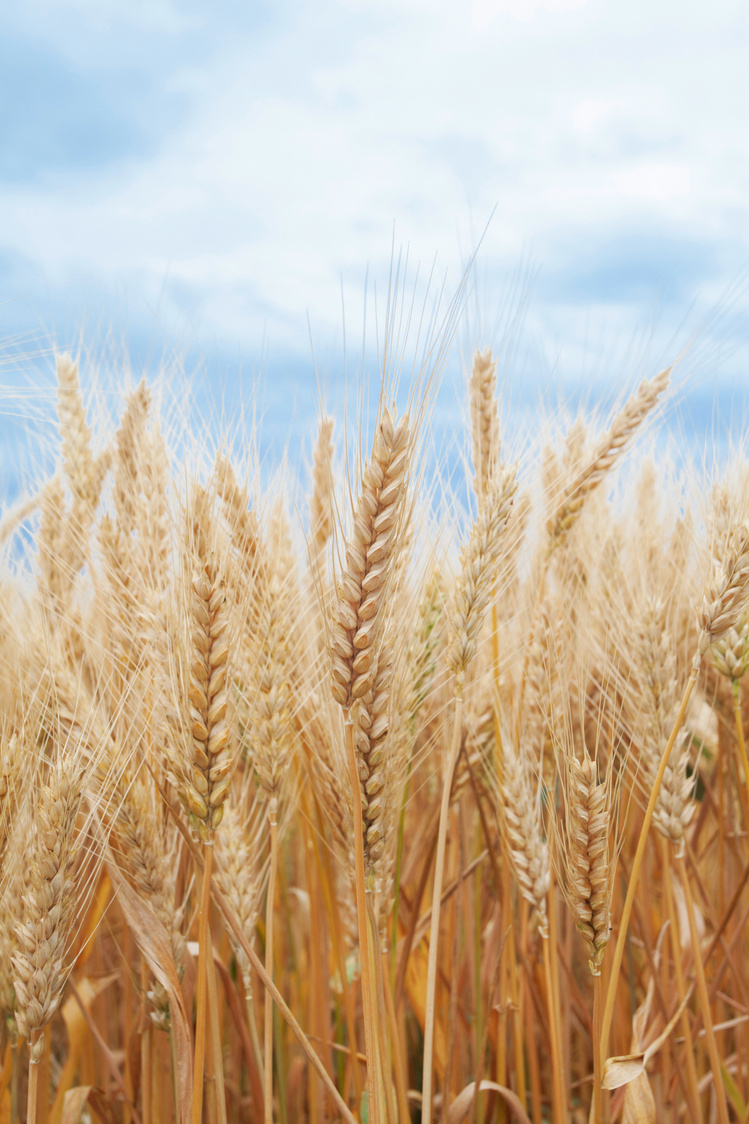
pixel 551 968
pixel 736 688
pixel 203 953
pixel 251 1020
pixel 33 1090
pixel 219 1093
pixel 692 1084
pixel 699 967
pixel 556 1063
pixel 608 1012
pixel 439 872
pixel 597 1106
pixel 370 1044
pixel 268 1014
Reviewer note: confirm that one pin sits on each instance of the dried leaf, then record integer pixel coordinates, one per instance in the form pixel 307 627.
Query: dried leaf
pixel 461 1106
pixel 74 1103
pixel 78 1037
pixel 76 1100
pixel 619 1071
pixel 639 1102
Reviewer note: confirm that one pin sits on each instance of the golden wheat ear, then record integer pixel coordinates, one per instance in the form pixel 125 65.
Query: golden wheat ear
pixel 49 908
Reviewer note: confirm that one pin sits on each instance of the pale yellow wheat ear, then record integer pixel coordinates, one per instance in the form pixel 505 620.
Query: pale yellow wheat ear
pixel 321 513
pixel 361 654
pixel 587 862
pixel 659 689
pixel 484 420
pixel 147 848
pixel 587 826
pixel 726 593
pixel 471 596
pixel 84 471
pixel 519 796
pixel 607 450
pixel 13 889
pixel 48 912
pixel 203 746
pixel 730 652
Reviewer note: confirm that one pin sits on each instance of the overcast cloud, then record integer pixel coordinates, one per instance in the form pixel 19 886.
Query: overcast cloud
pixel 209 176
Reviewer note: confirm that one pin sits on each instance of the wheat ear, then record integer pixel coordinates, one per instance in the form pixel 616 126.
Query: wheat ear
pixel 607 451
pixel 473 590
pixel 321 502
pixel 48 911
pixel 527 847
pixel 484 420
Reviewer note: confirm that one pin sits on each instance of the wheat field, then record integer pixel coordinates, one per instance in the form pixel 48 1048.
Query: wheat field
pixel 357 802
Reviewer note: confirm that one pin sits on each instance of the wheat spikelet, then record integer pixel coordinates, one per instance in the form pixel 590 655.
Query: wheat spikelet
pixel 48 909
pixel 731 653
pixel 527 847
pixel 608 449
pixel 484 420
pixel 675 804
pixel 84 476
pixel 52 543
pixel 272 716
pixel 588 861
pixel 478 564
pixel 206 769
pixel 244 530
pixel 371 727
pixel 14 888
pixel 656 668
pixel 148 852
pixel 128 462
pixel 238 874
pixel 321 503
pixel 364 578
pixel 726 593
pixel 10 767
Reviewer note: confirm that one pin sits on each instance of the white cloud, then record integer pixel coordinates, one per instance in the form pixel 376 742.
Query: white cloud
pixel 305 147
pixel 657 182
pixel 587 114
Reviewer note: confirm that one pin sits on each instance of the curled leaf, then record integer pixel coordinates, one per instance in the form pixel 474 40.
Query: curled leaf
pixel 619 1071
pixel 461 1106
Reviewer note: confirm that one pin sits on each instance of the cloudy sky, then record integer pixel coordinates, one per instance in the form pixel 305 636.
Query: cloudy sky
pixel 220 180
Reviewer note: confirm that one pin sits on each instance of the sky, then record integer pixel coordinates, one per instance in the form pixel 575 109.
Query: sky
pixel 228 183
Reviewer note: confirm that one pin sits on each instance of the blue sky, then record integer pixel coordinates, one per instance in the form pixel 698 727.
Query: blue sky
pixel 210 179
